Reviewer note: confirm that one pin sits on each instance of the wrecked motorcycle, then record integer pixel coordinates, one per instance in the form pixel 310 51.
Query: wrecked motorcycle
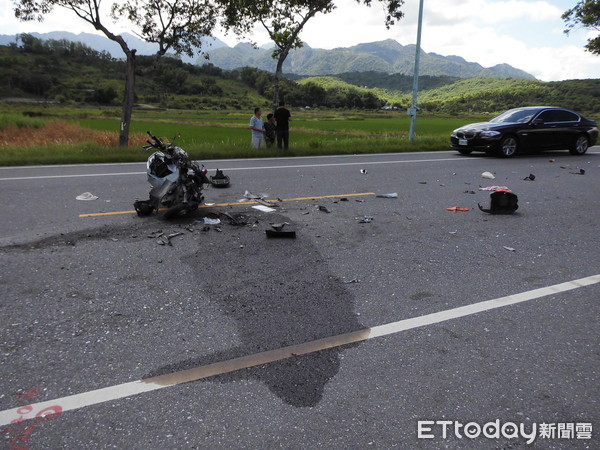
pixel 176 180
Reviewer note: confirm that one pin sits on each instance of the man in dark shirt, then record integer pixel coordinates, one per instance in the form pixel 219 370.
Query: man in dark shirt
pixel 283 117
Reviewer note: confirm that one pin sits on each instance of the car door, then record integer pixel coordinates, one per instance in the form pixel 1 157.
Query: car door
pixel 565 129
pixel 553 129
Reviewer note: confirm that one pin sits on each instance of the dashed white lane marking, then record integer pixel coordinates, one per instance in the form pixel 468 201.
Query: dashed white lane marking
pixel 119 391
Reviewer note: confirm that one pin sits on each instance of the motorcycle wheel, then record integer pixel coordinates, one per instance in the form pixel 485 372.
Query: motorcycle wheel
pixel 176 210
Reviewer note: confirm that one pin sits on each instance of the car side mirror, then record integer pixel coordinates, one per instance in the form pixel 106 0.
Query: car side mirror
pixel 537 122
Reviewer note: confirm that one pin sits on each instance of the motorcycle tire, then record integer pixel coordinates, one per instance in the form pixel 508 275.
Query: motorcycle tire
pixel 176 210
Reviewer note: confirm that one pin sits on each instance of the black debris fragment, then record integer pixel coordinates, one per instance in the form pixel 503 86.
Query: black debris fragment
pixel 277 231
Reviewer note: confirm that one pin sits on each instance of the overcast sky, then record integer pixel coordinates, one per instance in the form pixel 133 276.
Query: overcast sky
pixel 527 34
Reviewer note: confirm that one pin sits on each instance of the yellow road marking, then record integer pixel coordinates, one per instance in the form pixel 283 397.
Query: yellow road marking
pixel 217 205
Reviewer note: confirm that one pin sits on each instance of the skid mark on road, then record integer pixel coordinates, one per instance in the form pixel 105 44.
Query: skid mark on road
pixel 120 391
pixel 218 205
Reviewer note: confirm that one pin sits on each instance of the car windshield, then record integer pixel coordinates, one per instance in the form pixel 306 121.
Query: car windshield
pixel 514 116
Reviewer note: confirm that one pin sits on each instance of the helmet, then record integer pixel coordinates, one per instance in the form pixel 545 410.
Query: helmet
pixel 143 207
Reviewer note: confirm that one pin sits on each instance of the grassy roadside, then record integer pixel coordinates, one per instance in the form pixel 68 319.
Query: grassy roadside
pixel 68 136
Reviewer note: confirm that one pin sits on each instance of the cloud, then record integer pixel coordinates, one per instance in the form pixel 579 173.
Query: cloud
pixel 525 34
pixel 484 12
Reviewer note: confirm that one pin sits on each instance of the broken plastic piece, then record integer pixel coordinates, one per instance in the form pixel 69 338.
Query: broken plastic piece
pixel 495 188
pixel 363 171
pixel 279 226
pixel 86 196
pixel 209 221
pixel 264 208
pixel 457 208
pixel 488 175
pixel 277 232
pixel 510 249
pixel 366 219
pixel 392 195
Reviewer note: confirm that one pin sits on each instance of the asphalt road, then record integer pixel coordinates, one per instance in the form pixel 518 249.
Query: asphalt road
pixel 91 300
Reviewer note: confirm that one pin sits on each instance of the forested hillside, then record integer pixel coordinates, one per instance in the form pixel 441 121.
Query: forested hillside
pixel 70 73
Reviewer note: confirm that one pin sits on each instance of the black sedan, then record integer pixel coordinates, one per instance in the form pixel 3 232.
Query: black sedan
pixel 529 128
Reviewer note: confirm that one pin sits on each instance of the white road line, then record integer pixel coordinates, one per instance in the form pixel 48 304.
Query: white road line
pixel 232 169
pixel 277 158
pixel 120 391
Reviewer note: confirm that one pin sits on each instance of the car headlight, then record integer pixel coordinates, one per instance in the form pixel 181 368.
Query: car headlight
pixel 489 133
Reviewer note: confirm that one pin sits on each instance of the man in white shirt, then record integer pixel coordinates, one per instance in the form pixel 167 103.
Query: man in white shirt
pixel 258 132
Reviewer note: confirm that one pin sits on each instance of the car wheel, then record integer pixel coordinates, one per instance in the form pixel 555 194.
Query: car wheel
pixel 580 145
pixel 508 146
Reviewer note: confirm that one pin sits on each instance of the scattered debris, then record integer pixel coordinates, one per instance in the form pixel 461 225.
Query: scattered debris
pixel 363 171
pixel 510 249
pixel 353 280
pixel 488 175
pixel 86 196
pixel 210 221
pixel 264 208
pixel 457 208
pixel 268 204
pixel 366 219
pixel 391 195
pixel 422 182
pixel 530 177
pixel 495 188
pixel 323 208
pixel 166 240
pixel 551 160
pixel 581 172
pixel 502 202
pixel 343 199
pixel 468 192
pixel 279 226
pixel 277 231
pixel 155 234
pixel 219 180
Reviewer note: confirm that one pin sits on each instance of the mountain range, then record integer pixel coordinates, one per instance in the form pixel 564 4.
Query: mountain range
pixel 386 56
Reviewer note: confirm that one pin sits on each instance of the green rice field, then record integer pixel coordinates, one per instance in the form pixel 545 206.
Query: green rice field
pixel 223 134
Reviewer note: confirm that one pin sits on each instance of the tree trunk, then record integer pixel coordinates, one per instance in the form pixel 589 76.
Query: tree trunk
pixel 278 75
pixel 129 99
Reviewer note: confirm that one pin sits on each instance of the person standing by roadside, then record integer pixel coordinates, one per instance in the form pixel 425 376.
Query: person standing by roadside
pixel 270 132
pixel 283 117
pixel 256 125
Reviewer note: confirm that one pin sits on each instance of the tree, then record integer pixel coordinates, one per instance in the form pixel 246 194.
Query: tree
pixel 284 20
pixel 176 25
pixel 586 14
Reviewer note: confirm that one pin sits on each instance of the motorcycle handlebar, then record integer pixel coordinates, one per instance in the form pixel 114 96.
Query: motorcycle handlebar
pixel 155 143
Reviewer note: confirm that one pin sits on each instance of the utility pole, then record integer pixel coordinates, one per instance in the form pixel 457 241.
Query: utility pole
pixel 412 111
